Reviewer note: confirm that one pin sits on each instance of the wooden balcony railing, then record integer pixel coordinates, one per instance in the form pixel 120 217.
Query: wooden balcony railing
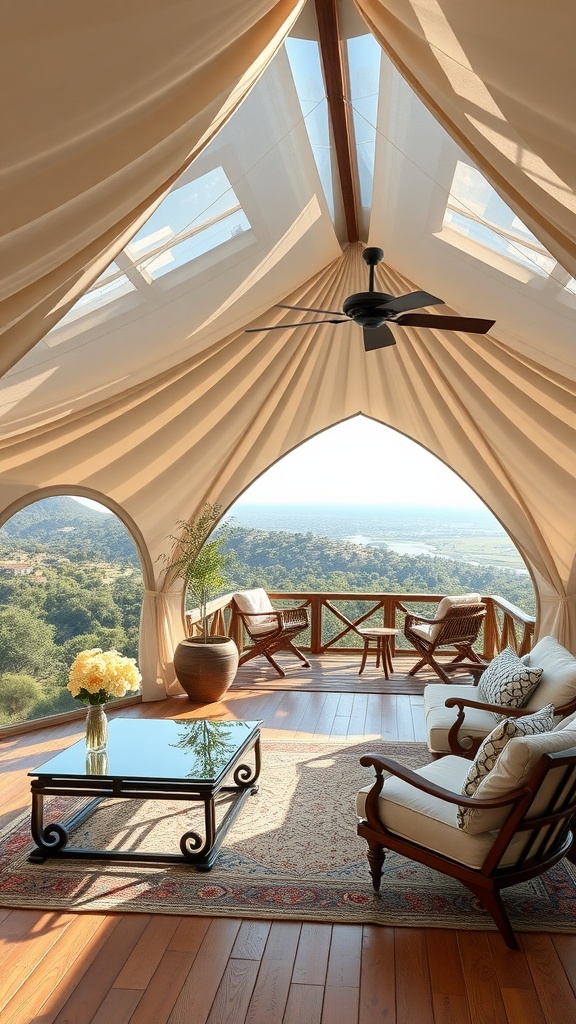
pixel 331 615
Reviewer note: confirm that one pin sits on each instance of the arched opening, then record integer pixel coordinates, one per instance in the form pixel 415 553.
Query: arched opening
pixel 70 580
pixel 363 483
pixel 363 509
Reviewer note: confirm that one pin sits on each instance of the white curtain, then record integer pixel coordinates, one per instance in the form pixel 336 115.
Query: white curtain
pixel 105 104
pixel 501 78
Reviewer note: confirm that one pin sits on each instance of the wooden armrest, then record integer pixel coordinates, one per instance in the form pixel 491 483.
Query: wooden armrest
pixel 259 615
pixel 387 764
pixel 412 617
pixel 498 709
pixel 566 709
pixel 455 741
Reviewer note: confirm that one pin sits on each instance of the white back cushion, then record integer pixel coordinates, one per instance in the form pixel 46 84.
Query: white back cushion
pixel 446 605
pixel 491 750
pixel 253 600
pixel 558 683
pixel 257 602
pixel 513 767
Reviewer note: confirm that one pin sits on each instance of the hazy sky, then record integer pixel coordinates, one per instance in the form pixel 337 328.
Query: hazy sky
pixel 361 462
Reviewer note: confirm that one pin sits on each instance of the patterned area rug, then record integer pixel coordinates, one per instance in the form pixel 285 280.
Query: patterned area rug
pixel 292 852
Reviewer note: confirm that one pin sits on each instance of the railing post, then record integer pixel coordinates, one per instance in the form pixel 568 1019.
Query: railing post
pixel 316 604
pixel 236 629
pixel 490 631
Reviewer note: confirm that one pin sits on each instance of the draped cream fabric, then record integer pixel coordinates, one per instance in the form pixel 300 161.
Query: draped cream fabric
pixel 207 428
pixel 109 102
pixel 166 403
pixel 501 78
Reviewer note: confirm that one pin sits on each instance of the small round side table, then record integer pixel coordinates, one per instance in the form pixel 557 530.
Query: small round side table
pixel 381 636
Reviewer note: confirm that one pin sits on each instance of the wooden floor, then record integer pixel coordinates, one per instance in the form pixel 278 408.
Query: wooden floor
pixel 115 969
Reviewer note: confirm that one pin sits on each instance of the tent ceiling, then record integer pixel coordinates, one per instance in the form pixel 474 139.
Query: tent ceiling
pixel 150 393
pixel 265 152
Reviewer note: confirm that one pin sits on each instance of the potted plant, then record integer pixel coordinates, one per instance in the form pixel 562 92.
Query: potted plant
pixel 205 665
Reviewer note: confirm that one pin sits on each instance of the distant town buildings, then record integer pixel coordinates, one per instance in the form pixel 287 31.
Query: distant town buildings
pixel 17 568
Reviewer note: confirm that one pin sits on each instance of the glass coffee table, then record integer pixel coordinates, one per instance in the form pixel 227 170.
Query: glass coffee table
pixel 194 760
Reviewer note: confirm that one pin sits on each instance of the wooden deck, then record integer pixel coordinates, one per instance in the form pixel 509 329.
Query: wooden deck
pixel 142 969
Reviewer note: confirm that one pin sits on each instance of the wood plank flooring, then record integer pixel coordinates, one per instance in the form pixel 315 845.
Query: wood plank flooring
pixel 153 969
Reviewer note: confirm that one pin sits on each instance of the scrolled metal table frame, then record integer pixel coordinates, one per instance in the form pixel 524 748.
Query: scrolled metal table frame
pixel 196 849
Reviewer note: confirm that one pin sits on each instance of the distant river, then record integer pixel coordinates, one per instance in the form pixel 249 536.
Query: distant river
pixel 407 548
pixel 404 529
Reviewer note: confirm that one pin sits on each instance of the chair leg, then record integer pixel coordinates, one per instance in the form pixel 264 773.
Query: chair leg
pixel 440 671
pixel 274 664
pixel 364 656
pixel 466 652
pixel 252 652
pixel 259 648
pixel 292 647
pixel 416 668
pixel 429 660
pixel 492 900
pixel 376 856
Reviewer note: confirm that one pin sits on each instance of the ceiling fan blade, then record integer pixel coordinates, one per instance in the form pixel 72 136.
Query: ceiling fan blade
pixel 378 337
pixel 470 324
pixel 414 300
pixel 309 309
pixel 303 323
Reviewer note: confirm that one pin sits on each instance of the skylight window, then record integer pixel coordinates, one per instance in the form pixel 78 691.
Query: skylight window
pixel 364 58
pixel 192 220
pixel 111 284
pixel 304 58
pixel 475 210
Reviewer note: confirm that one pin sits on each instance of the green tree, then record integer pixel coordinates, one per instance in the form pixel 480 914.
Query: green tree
pixel 18 693
pixel 26 643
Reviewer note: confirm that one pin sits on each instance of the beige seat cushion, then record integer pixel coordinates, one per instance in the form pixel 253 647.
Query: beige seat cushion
pixel 440 719
pixel 557 686
pixel 431 822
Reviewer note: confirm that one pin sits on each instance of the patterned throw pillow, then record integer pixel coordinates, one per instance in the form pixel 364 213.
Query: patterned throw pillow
pixel 508 681
pixel 493 745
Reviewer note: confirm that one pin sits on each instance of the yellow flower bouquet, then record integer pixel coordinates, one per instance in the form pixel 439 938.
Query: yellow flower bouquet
pixel 98 676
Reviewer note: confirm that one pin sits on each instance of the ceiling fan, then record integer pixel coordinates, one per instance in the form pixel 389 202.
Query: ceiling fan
pixel 373 311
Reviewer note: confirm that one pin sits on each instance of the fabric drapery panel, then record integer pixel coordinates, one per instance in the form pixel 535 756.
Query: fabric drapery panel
pixel 111 102
pixel 160 631
pixel 204 430
pixel 501 79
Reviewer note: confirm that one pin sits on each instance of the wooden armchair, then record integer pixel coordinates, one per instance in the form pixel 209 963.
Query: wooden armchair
pixel 457 623
pixel 521 825
pixel 269 629
pixel 458 719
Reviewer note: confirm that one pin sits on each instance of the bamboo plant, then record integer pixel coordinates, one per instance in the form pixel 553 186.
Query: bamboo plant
pixel 198 561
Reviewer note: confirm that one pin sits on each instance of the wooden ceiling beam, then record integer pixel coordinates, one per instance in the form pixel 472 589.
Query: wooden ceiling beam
pixel 331 55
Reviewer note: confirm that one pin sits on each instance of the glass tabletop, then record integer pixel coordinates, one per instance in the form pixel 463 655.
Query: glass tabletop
pixel 198 750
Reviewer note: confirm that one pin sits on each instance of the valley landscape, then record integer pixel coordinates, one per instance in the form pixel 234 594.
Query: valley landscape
pixel 70 577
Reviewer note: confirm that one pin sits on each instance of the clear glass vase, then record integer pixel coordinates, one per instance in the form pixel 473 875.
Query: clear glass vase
pixel 96 728
pixel 96 762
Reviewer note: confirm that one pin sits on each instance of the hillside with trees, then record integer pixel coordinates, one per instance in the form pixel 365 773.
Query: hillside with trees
pixel 70 580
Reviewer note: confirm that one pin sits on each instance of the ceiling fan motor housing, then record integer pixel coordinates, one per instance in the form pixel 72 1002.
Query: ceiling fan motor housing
pixel 363 308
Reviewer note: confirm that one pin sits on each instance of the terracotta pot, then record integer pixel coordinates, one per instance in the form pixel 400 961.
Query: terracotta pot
pixel 205 669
